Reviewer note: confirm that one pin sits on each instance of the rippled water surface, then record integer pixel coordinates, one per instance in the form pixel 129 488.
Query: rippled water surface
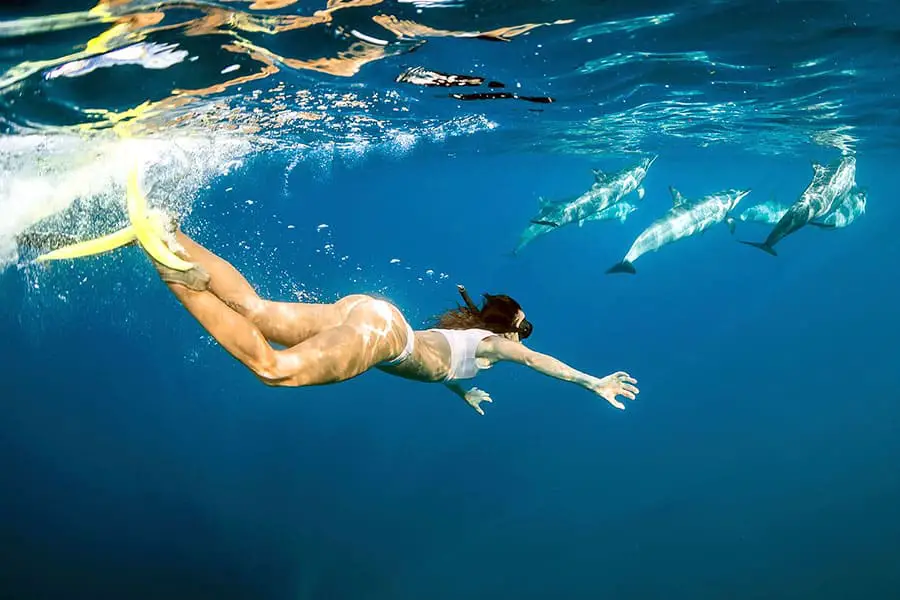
pixel 562 76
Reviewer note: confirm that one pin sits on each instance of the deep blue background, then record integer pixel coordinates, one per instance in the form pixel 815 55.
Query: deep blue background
pixel 139 460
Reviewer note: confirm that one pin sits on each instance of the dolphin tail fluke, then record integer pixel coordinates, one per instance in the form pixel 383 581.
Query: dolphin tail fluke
pixel 762 246
pixel 623 267
pixel 542 222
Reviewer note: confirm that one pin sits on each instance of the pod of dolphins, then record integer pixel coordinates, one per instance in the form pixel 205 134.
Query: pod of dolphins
pixel 832 200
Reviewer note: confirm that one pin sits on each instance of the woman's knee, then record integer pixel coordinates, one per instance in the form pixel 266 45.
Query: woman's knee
pixel 290 369
pixel 273 371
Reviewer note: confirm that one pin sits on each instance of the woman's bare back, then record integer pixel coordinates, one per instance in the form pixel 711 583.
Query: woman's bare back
pixel 429 362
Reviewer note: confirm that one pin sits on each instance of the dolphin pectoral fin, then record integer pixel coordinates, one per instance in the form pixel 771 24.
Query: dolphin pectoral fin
pixel 762 246
pixel 623 267
pixel 99 245
pixel 822 225
pixel 542 222
pixel 640 193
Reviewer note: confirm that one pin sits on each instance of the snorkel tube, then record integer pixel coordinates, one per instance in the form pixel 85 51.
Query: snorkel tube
pixel 467 299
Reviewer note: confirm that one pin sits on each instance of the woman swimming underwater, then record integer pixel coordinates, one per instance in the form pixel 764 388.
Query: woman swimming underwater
pixel 328 343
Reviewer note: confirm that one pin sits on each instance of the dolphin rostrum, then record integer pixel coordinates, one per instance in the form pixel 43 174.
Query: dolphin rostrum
pixel 683 220
pixel 830 184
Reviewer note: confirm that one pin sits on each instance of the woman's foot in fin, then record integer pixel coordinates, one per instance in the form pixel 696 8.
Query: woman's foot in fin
pixel 166 226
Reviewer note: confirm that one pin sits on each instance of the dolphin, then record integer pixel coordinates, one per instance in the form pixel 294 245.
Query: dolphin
pixel 617 212
pixel 769 212
pixel 852 207
pixel 683 220
pixel 829 184
pixel 607 190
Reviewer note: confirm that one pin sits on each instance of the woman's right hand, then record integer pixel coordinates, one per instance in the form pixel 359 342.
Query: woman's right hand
pixel 619 383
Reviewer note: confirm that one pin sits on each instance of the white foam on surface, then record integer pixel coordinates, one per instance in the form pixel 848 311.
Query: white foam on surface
pixel 76 184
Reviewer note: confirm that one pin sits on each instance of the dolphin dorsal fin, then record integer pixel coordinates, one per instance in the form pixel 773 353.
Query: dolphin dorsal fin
pixel 599 175
pixel 817 167
pixel 677 198
pixel 542 202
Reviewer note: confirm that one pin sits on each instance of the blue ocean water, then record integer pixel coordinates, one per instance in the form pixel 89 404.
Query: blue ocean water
pixel 139 460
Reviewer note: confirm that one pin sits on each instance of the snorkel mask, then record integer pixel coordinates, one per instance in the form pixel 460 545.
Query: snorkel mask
pixel 524 329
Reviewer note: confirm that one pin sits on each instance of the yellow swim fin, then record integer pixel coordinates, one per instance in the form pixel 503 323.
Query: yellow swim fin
pixel 141 229
pixel 99 245
pixel 136 204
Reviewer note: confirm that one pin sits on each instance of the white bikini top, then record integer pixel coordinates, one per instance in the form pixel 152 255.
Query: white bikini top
pixel 463 345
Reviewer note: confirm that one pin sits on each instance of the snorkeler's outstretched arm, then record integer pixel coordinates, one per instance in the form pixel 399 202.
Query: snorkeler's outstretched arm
pixel 497 348
pixel 473 396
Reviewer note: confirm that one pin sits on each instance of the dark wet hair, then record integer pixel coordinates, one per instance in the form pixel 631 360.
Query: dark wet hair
pixel 497 314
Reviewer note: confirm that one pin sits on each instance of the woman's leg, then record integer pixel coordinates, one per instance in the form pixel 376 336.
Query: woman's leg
pixel 284 323
pixel 372 332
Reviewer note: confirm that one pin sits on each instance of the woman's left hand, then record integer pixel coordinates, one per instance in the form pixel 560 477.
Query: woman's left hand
pixel 617 384
pixel 474 397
